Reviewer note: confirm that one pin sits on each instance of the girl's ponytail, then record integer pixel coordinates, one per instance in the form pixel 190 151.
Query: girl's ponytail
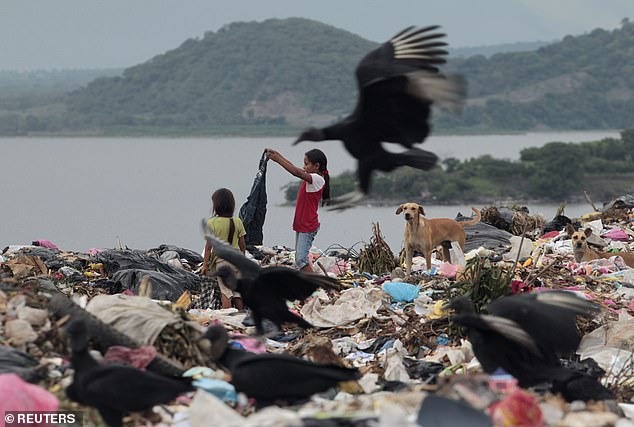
pixel 325 195
pixel 317 156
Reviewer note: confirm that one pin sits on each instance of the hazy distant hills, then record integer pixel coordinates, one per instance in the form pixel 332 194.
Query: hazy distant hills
pixel 582 82
pixel 295 72
pixel 291 71
pixel 465 52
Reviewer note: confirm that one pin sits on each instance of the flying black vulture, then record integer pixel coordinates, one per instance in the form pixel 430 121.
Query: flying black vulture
pixel 115 390
pixel 525 334
pixel 266 290
pixel 397 83
pixel 269 377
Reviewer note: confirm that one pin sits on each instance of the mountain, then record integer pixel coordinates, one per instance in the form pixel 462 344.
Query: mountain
pixel 291 71
pixel 490 50
pixel 581 82
pixel 283 74
pixel 26 93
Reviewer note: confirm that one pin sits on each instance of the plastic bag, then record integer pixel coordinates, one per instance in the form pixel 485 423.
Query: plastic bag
pixel 18 395
pixel 401 292
pixel 616 234
pixel 13 361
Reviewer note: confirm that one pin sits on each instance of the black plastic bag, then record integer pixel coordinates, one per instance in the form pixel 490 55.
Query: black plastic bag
pixel 115 260
pixel 558 223
pixel 16 362
pixel 253 211
pixel 164 286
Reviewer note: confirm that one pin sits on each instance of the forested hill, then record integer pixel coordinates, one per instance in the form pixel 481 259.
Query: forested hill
pixel 583 82
pixel 275 72
pixel 290 73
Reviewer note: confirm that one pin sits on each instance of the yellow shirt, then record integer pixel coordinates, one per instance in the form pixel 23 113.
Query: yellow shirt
pixel 219 225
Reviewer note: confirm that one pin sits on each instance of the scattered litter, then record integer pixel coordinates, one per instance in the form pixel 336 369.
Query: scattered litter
pixel 414 363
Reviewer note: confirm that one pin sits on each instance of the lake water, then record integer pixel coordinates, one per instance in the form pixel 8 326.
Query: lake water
pixel 81 192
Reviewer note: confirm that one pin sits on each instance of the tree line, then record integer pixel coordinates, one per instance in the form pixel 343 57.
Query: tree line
pixel 555 172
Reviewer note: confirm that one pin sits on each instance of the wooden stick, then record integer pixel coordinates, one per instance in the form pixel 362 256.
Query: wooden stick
pixel 322 268
pixel 589 200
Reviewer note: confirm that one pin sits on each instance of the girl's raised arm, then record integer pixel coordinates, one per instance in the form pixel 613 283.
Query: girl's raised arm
pixel 286 164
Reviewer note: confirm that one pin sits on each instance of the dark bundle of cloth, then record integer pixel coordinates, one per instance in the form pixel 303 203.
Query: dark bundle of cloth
pixel 115 260
pixel 253 211
pixel 164 286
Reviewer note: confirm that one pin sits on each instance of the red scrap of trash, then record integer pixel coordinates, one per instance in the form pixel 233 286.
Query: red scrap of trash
pixel 517 409
pixel 45 244
pixel 520 287
pixel 550 234
pixel 140 357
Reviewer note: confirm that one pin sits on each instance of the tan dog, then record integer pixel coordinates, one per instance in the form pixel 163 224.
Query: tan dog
pixel 424 235
pixel 583 252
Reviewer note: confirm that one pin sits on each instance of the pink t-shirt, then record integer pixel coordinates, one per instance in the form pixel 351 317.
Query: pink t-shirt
pixel 308 197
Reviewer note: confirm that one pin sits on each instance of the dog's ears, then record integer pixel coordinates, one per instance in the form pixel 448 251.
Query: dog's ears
pixel 421 211
pixel 587 232
pixel 570 229
pixel 399 210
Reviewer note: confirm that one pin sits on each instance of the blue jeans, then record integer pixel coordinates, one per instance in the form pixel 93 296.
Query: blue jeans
pixel 303 243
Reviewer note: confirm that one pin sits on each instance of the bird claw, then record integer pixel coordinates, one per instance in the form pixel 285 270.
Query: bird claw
pixel 346 201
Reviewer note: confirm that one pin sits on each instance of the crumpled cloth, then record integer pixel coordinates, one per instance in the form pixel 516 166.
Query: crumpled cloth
pixel 610 345
pixel 227 316
pixel 394 368
pixel 252 345
pixel 136 357
pixel 139 318
pixel 597 267
pixel 208 410
pixel 616 234
pixel 353 304
pixel 45 244
pixel 26 265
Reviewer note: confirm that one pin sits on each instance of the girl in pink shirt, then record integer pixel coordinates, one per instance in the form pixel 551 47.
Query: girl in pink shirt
pixel 314 188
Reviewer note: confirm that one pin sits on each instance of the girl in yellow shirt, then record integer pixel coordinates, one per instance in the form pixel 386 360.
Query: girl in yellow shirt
pixel 230 229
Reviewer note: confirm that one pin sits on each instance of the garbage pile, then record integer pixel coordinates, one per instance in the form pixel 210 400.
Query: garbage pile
pixel 389 340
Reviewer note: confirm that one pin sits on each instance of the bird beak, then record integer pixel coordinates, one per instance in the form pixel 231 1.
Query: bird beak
pixel 297 141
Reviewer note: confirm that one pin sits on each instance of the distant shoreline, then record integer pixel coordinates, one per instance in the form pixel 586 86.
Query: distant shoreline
pixel 255 132
pixel 383 203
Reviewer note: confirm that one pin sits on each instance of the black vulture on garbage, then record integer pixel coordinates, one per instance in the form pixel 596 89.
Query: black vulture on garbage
pixel 269 377
pixel 266 290
pixel 525 335
pixel 397 83
pixel 115 390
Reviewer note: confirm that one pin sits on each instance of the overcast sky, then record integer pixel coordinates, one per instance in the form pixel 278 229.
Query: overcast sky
pixel 47 34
